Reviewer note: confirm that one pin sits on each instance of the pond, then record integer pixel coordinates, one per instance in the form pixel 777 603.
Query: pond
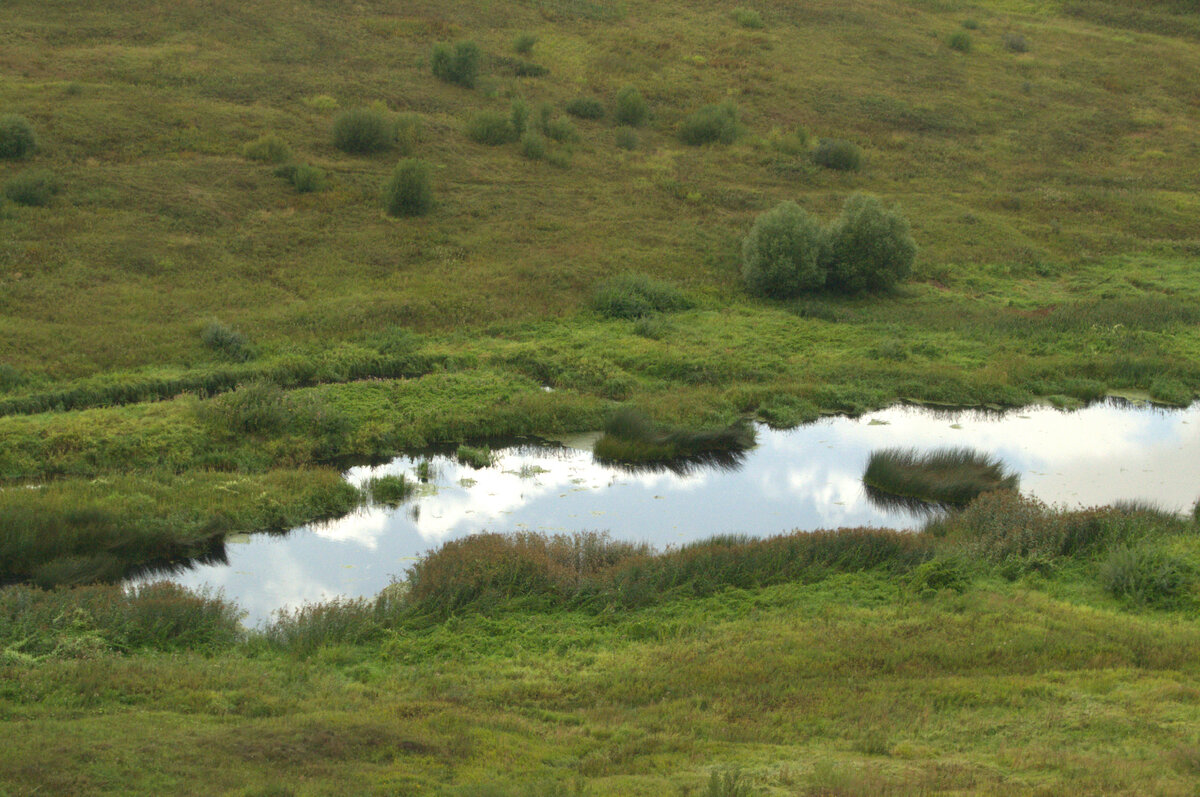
pixel 804 478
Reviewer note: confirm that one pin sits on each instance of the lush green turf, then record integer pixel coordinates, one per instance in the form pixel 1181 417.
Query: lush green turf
pixel 848 663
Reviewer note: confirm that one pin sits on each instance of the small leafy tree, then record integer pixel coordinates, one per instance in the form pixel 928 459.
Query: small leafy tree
pixel 631 107
pixel 458 65
pixel 784 253
pixel 871 248
pixel 409 191
pixel 16 137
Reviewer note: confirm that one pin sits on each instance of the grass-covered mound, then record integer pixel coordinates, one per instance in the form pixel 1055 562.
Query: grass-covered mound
pixel 952 476
pixel 631 438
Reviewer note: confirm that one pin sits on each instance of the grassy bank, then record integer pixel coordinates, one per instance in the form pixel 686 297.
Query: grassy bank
pixel 848 662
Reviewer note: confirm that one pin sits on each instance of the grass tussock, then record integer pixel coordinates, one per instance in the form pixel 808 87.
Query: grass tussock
pixel 1147 576
pixel 954 476
pixel 83 622
pixel 389 490
pixel 637 295
pixel 592 570
pixel 481 457
pixel 630 437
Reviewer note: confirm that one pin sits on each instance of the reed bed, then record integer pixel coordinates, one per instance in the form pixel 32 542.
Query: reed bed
pixel 951 476
pixel 632 438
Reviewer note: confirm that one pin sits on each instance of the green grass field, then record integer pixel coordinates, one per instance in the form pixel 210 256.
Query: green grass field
pixel 183 331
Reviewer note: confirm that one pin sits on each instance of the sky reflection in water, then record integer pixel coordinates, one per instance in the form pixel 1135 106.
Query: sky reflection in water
pixel 805 478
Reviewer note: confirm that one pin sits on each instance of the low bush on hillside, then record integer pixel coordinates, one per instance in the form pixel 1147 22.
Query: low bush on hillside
pixel 562 131
pixel 518 116
pixel 533 145
pixel 17 138
pixel 747 18
pixel 585 108
pixel 523 43
pixel 458 64
pixel 636 295
pixel 228 342
pixel 842 156
pixel 1016 43
pixel 363 131
pixel 306 179
pixel 869 247
pixel 784 254
pixel 625 138
pixel 712 124
pixel 409 191
pixel 268 148
pixel 631 108
pixel 490 128
pixel 10 378
pixel 960 40
pixel 33 187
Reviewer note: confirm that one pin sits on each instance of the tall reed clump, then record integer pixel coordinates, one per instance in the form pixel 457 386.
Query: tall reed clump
pixel 363 131
pixel 953 476
pixel 1146 576
pixel 632 295
pixel 1006 526
pixel 631 437
pixel 84 621
pixel 591 570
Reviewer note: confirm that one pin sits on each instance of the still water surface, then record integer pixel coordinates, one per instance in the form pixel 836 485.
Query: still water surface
pixel 804 478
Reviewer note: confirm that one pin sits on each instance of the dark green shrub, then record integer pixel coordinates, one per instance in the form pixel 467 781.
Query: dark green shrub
pixel 960 40
pixel 631 107
pixel 524 42
pixel 970 24
pixel 585 108
pixel 268 148
pixel 562 130
pixel 33 187
pixel 636 295
pixel 258 407
pixel 712 124
pixel 16 137
pixel 1148 577
pixel 626 138
pixel 842 156
pixel 542 116
pixel 526 68
pixel 409 191
pixel 227 342
pixel 870 247
pixel 307 179
pixel 490 128
pixel 459 65
pixel 10 378
pixel 784 253
pixel 363 131
pixel 931 577
pixel 747 18
pixel 533 145
pixel 518 116
pixel 1015 42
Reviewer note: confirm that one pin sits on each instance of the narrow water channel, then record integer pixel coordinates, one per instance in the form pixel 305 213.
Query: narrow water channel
pixel 804 478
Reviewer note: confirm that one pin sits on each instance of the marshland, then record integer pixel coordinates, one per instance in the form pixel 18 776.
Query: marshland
pixel 247 248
